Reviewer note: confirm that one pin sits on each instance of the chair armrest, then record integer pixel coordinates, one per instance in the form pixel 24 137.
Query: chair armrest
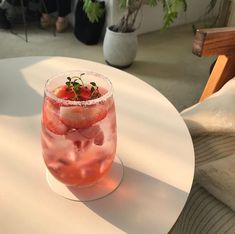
pixel 214 41
pixel 220 42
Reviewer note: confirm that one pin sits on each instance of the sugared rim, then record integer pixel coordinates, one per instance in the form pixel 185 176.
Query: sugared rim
pixel 103 98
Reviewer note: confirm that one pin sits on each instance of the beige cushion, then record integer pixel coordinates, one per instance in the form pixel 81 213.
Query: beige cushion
pixel 218 178
pixel 214 119
pixel 214 114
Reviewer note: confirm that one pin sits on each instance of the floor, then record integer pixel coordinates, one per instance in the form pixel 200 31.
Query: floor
pixel 164 59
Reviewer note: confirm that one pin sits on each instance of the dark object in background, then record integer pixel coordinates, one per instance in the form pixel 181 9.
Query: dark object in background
pixel 31 10
pixel 4 22
pixel 17 2
pixel 85 31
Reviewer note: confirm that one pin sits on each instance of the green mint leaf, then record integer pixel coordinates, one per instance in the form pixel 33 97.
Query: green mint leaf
pixel 92 90
pixel 76 86
pixel 93 83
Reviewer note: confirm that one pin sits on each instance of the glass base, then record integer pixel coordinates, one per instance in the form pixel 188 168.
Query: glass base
pixel 102 188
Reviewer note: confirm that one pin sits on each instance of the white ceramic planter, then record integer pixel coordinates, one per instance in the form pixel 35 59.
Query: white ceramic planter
pixel 120 49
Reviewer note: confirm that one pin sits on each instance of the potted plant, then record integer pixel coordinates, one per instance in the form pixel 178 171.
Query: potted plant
pixel 89 20
pixel 120 42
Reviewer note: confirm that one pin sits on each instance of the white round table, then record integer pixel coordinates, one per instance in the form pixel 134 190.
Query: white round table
pixel 153 143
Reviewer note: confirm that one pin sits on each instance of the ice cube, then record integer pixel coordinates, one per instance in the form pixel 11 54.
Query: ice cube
pixel 90 132
pixel 83 172
pixel 55 165
pixel 74 135
pixel 86 144
pixel 72 156
pixel 99 139
pixel 104 165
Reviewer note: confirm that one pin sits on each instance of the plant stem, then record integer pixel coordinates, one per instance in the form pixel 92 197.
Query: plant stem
pixel 136 13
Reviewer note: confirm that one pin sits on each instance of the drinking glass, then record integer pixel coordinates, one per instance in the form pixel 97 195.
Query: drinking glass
pixel 78 137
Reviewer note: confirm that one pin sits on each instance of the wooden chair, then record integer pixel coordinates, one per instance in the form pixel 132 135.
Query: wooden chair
pixel 216 42
pixel 205 212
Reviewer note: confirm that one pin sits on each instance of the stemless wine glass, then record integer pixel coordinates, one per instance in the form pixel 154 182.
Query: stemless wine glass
pixel 78 137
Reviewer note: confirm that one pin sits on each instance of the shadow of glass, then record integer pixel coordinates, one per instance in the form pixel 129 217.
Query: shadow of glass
pixel 17 98
pixel 141 204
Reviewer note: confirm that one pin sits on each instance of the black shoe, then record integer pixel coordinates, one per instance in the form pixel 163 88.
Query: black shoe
pixel 4 22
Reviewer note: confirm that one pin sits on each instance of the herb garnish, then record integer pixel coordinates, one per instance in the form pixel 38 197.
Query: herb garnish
pixel 76 85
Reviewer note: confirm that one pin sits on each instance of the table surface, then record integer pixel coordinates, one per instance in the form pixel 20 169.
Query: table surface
pixel 153 143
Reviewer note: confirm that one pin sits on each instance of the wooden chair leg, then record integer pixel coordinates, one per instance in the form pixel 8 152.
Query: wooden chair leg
pixel 223 71
pixel 24 20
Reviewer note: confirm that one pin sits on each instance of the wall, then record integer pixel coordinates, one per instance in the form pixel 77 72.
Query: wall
pixel 231 20
pixel 153 16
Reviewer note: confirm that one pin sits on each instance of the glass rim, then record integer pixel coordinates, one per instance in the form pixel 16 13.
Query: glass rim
pixel 103 98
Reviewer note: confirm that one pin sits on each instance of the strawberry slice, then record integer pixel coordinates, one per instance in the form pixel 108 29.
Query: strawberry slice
pixel 85 94
pixel 82 116
pixel 64 93
pixel 50 118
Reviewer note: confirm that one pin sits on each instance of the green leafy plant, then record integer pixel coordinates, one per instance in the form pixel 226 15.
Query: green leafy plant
pixel 171 9
pixel 132 10
pixel 93 10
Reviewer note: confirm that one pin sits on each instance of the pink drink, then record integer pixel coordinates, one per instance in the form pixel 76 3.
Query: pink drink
pixel 78 137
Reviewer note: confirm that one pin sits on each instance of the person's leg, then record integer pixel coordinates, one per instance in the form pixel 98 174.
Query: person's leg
pixel 48 7
pixel 64 8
